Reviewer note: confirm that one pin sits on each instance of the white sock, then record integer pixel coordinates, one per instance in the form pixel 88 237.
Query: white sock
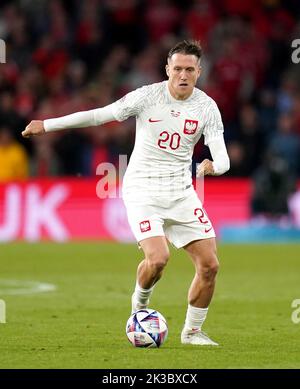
pixel 195 318
pixel 142 295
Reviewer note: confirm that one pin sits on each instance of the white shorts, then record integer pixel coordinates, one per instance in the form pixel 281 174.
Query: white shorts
pixel 180 221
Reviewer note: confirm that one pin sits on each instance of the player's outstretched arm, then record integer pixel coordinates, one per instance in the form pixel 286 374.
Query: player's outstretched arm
pixel 93 117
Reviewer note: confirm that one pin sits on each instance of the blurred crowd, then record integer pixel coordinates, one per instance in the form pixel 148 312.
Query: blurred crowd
pixel 65 56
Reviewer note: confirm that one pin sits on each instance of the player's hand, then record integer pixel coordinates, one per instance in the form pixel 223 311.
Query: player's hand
pixel 205 168
pixel 35 127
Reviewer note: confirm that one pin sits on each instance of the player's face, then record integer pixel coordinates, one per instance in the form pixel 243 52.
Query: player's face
pixel 183 71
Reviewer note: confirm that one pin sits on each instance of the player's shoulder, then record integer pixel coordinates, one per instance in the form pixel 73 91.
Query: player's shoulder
pixel 157 87
pixel 203 98
pixel 204 105
pixel 152 94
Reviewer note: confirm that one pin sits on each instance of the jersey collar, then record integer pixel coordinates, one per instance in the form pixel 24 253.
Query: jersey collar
pixel 173 98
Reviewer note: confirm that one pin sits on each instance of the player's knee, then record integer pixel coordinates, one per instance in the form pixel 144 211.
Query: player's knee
pixel 209 271
pixel 214 268
pixel 157 260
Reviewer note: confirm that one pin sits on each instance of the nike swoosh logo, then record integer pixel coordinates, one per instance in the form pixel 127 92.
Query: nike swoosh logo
pixel 154 121
pixel 207 230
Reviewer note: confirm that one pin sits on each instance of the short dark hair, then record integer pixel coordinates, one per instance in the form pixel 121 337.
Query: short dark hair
pixel 187 47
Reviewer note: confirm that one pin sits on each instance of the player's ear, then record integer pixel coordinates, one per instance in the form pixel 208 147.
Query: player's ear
pixel 167 70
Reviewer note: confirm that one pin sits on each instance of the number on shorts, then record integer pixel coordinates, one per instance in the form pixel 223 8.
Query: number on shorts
pixel 201 215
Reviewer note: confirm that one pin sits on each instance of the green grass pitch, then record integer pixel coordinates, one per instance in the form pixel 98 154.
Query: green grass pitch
pixel 82 323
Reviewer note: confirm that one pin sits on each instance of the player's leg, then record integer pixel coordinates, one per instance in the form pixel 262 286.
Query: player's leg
pixel 147 226
pixel 149 271
pixel 204 257
pixel 193 231
pixel 156 253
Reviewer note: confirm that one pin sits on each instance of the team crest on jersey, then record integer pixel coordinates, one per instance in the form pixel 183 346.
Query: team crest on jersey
pixel 190 126
pixel 145 226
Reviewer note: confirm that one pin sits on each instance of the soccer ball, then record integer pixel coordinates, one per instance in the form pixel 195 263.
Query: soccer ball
pixel 146 328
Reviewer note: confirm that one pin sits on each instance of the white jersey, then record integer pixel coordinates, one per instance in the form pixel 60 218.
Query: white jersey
pixel 166 133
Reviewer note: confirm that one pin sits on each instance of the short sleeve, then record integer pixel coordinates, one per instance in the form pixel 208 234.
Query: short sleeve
pixel 214 127
pixel 130 105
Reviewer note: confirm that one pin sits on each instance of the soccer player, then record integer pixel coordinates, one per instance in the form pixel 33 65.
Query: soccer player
pixel 161 202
